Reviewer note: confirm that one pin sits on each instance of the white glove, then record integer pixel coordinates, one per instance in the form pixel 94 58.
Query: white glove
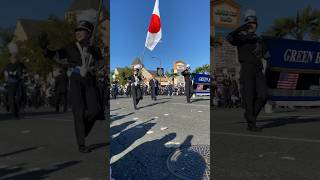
pixel 83 71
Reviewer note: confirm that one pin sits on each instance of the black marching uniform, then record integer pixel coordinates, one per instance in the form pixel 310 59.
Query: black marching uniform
pixel 154 85
pixel 61 91
pixel 14 77
pixel 227 92
pixel 170 89
pixel 188 84
pixel 136 90
pixel 103 88
pixel 253 82
pixel 84 91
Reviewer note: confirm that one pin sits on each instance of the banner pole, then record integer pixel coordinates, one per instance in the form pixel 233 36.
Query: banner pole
pixel 142 56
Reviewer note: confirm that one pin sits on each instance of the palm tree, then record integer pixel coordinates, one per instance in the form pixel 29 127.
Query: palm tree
pixel 171 75
pixel 315 30
pixel 203 69
pixel 296 27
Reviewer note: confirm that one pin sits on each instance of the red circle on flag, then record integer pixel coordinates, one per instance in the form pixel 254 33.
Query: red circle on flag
pixel 155 24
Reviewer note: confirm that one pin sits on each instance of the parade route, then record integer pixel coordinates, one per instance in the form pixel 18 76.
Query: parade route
pixel 287 149
pixel 42 145
pixel 143 139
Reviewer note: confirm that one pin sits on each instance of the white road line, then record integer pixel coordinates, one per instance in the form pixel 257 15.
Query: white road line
pixel 25 131
pixel 164 128
pixel 150 132
pixel 200 105
pixel 268 137
pixel 56 119
pixel 288 158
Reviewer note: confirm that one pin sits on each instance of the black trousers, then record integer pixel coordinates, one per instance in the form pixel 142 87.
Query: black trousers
pixel 227 98
pixel 136 95
pixel 61 97
pixel 154 93
pixel 102 88
pixel 254 91
pixel 85 105
pixel 188 90
pixel 15 98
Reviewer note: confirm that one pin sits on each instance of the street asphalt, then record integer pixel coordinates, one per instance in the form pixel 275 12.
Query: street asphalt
pixel 143 139
pixel 42 145
pixel 287 149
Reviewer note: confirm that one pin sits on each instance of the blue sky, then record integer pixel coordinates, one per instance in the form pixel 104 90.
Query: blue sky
pixel 268 11
pixel 185 32
pixel 12 10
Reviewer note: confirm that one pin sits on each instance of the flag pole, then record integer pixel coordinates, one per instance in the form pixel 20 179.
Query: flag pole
pixel 142 55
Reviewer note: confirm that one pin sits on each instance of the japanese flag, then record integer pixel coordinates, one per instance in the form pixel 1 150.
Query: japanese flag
pixel 154 32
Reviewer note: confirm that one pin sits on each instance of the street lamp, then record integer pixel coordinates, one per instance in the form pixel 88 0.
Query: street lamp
pixel 160 65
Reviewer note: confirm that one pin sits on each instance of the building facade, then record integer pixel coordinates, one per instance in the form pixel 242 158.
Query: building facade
pixel 178 67
pixel 224 56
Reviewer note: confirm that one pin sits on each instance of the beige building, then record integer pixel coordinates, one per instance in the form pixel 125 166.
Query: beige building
pixel 224 56
pixel 26 28
pixel 178 67
pixel 148 74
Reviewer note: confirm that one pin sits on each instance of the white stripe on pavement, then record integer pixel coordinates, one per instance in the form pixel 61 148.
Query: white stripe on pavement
pixel 268 137
pixel 57 119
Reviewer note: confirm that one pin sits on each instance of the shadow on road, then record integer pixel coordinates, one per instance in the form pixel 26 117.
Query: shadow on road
pixel 115 117
pixel 119 128
pixel 98 146
pixel 115 109
pixel 149 160
pixel 197 100
pixel 276 122
pixel 153 104
pixel 19 151
pixel 9 116
pixel 128 137
pixel 36 174
pixel 4 171
pixel 6 117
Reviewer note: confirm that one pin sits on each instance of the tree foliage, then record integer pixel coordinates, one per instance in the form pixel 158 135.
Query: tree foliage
pixel 304 24
pixel 124 74
pixel 202 69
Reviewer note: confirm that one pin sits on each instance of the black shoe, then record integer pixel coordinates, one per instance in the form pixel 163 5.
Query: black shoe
pixel 254 129
pixel 84 149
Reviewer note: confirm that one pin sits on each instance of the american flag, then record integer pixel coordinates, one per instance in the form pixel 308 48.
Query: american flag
pixel 288 81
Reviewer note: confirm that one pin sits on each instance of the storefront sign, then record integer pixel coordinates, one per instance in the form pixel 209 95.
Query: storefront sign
pixel 226 14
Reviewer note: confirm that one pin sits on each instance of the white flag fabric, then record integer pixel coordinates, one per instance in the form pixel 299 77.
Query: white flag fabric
pixel 154 32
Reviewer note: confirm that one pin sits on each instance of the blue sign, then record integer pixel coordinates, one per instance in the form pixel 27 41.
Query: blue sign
pixel 201 79
pixel 286 53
